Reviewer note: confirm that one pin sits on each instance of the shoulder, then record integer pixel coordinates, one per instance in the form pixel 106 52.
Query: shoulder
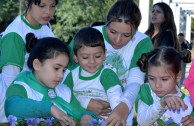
pixel 145 86
pixel 14 26
pixel 144 42
pixel 141 35
pixel 62 88
pixel 167 33
pixel 107 70
pixel 99 27
pixel 64 92
pixel 142 38
pixel 75 70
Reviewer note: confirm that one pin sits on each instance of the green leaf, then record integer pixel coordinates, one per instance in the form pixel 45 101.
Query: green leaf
pixel 172 124
pixel 160 122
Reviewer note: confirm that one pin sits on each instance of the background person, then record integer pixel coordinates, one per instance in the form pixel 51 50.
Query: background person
pixel 162 29
pixel 184 46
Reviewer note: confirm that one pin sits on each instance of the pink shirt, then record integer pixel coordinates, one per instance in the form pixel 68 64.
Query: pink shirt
pixel 189 83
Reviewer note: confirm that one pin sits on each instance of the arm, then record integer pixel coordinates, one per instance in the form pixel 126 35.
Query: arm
pixel 99 106
pixel 9 73
pixel 187 121
pixel 113 88
pixel 114 96
pixel 85 115
pixel 147 115
pixel 15 105
pixel 12 56
pixel 17 101
pixel 112 85
pixel 135 77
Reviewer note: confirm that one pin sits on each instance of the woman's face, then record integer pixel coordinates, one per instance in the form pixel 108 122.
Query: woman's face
pixel 41 14
pixel 157 16
pixel 119 34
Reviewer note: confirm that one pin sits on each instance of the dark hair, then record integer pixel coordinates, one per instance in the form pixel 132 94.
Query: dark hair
pixel 98 23
pixel 36 2
pixel 125 11
pixel 31 41
pixel 167 25
pixel 44 48
pixel 88 36
pixel 181 34
pixel 167 56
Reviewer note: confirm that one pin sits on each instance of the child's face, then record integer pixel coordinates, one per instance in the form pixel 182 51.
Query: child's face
pixel 162 80
pixel 90 58
pixel 51 71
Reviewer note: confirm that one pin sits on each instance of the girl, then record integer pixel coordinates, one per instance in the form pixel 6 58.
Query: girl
pixel 124 45
pixel 162 29
pixel 38 91
pixel 13 55
pixel 160 101
pixel 36 20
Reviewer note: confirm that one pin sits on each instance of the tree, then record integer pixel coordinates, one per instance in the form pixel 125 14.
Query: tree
pixel 9 10
pixel 71 15
pixel 192 31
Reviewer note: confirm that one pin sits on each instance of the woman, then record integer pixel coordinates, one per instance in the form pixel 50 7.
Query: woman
pixel 124 45
pixel 13 55
pixel 162 29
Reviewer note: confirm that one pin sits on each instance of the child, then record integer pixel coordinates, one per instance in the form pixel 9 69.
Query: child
pixel 92 79
pixel 39 93
pixel 160 102
pixel 13 55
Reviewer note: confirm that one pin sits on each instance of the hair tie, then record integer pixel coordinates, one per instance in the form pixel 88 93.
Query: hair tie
pixel 30 41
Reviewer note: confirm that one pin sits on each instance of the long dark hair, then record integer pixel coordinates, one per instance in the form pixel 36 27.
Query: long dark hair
pixel 168 24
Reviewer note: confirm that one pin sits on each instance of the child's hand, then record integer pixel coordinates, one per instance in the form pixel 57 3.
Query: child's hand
pixel 173 102
pixel 99 107
pixel 187 121
pixel 85 120
pixel 118 116
pixel 63 118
